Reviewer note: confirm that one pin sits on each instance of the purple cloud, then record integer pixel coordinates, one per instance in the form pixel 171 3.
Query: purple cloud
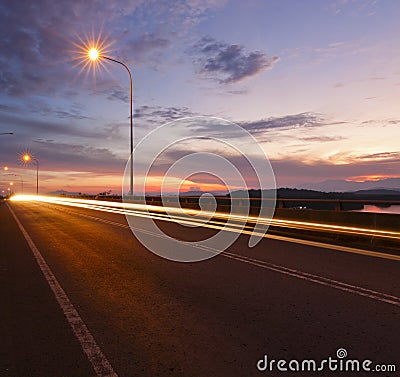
pixel 229 63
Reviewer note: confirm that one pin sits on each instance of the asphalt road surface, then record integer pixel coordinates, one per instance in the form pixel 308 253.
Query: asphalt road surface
pixel 98 303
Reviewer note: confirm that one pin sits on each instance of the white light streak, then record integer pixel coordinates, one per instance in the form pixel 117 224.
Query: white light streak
pixel 200 218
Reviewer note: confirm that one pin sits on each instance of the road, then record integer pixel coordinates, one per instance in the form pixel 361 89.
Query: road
pixel 136 314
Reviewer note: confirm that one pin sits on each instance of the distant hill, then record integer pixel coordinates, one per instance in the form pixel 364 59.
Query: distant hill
pixel 291 193
pixel 192 193
pixel 340 185
pixel 199 193
pixel 63 192
pixel 378 191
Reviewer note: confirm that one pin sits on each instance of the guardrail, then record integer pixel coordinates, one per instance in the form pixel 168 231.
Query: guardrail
pixel 335 212
pixel 287 203
pixel 281 203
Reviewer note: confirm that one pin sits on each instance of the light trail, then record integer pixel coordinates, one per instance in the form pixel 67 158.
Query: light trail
pixel 294 273
pixel 207 219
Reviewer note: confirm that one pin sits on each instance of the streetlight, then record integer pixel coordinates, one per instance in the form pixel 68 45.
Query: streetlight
pixel 94 54
pixel 22 181
pixel 27 158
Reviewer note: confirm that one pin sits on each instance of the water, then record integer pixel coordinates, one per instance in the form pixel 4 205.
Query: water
pixel 371 208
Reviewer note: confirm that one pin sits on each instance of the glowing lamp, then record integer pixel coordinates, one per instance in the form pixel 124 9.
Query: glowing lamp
pixel 93 54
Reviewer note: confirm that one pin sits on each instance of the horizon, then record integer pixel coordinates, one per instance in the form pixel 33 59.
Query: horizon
pixel 217 193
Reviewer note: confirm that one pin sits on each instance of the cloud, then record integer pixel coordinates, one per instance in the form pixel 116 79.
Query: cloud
pixel 364 8
pixel 381 122
pixel 393 157
pixel 179 15
pixel 238 92
pixel 36 38
pixel 161 115
pixel 289 171
pixel 67 156
pixel 42 108
pixel 260 128
pixel 35 43
pixel 147 49
pixel 288 122
pixel 322 139
pixel 229 63
pixel 75 115
pixel 117 93
pixel 147 43
pixel 49 127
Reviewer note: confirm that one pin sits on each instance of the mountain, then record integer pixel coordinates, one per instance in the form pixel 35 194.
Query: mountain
pixel 189 193
pixel 378 192
pixel 325 200
pixel 343 185
pixel 63 192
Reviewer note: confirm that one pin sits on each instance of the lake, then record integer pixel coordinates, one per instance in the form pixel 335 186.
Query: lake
pixel 371 208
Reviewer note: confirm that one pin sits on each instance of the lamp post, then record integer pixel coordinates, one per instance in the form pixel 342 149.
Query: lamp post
pixel 94 54
pixel 27 158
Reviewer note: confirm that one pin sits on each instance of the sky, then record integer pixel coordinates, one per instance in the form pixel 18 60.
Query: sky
pixel 316 84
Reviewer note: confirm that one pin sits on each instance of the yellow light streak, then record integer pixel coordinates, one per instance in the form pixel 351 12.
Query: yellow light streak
pixel 201 218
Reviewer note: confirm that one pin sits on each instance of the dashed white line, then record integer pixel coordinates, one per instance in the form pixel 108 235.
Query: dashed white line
pixel 99 362
pixel 355 289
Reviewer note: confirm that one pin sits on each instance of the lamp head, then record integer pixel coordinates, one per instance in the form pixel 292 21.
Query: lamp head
pixel 93 54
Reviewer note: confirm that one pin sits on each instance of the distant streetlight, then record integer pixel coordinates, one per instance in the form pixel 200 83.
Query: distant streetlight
pixel 22 181
pixel 27 158
pixel 93 54
pixel 5 168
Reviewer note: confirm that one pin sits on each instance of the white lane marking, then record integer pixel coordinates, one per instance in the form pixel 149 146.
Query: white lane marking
pixel 100 364
pixel 355 289
pixel 350 288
